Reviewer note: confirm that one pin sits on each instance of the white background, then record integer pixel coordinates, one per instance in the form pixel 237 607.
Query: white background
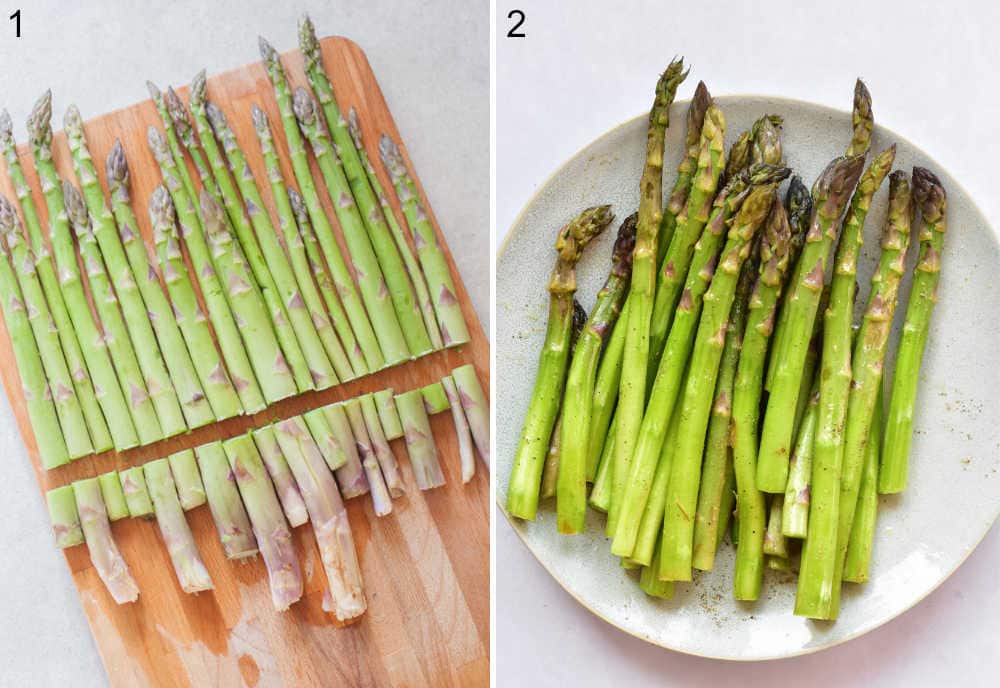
pixel 432 63
pixel 584 68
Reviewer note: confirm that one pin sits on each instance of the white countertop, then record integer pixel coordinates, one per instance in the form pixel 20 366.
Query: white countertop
pixel 432 63
pixel 578 74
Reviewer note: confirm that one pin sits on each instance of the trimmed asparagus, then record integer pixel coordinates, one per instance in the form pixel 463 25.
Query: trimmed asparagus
pixel 194 404
pixel 281 476
pixel 476 407
pixel 775 543
pixel 931 201
pixel 550 471
pixel 92 342
pixel 387 414
pixel 113 495
pixel 463 435
pixel 795 519
pixel 225 503
pixel 420 441
pixel 328 435
pixel 269 525
pixel 104 553
pixel 381 499
pixel 435 398
pixel 136 493
pixel 380 445
pixel 187 479
pixel 351 475
pixel 64 516
pixel 600 493
pixel 862 540
pixel 188 566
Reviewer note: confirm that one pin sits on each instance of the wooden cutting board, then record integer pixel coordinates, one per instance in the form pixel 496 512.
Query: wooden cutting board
pixel 425 566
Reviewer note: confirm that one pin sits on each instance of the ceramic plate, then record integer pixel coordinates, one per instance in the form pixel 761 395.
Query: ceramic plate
pixel 922 535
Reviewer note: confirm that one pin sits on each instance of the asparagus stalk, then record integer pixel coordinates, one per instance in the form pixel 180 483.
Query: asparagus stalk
pixel 387 414
pixel 600 493
pixel 116 333
pixel 104 553
pixel 398 233
pixel 186 309
pixel 113 495
pixel 463 435
pixel 390 303
pixel 795 519
pixel 136 492
pixel 931 200
pixel 435 398
pixel 635 358
pixel 299 270
pixel 180 136
pixel 522 490
pixel 188 566
pixel 351 474
pixel 650 582
pixel 92 342
pixel 420 441
pixel 579 396
pixel 64 516
pixel 830 195
pixel 775 543
pixel 550 471
pixel 100 438
pixel 380 445
pixel 56 417
pixel 345 594
pixel 269 525
pixel 222 318
pixel 271 268
pixel 270 365
pixel 606 388
pixel 281 476
pixel 381 499
pixel 667 388
pixel 187 479
pixel 476 407
pixel 307 243
pixel 195 405
pixel 685 472
pixel 716 452
pixel 323 231
pixel 454 330
pixel 225 503
pixel 834 494
pixel 728 500
pixel 136 314
pixel 862 540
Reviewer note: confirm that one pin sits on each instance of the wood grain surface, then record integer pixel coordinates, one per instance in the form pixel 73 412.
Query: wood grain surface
pixel 426 565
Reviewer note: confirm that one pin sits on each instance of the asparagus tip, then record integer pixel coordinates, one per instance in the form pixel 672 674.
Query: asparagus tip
pixel 161 207
pixel 354 127
pixel 175 107
pixel 157 143
pixel 391 156
pixel 40 119
pixel 154 91
pixel 116 164
pixel 211 213
pixel 621 253
pixel 216 117
pixel 76 208
pixel 267 51
pixel 836 182
pixel 6 127
pixel 929 194
pixel 196 94
pixel 8 215
pixel 259 118
pixel 308 43
pixel 303 106
pixel 72 121
pixel 298 204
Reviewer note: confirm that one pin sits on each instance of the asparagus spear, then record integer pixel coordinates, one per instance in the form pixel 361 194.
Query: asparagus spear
pixel 391 305
pixel 635 358
pixel 462 433
pixel 435 398
pixel 387 414
pixel 113 495
pixel 281 476
pixel 834 493
pixel 116 333
pixel 380 446
pixel 324 232
pixel 522 490
pixel 398 233
pixel 351 474
pixel 277 381
pixel 64 516
pixel 830 195
pixel 180 136
pixel 104 553
pixel 44 376
pixel 219 389
pixel 188 566
pixel 194 404
pixel 862 539
pixel 109 393
pixel 728 500
pixel 228 512
pixel 795 519
pixel 271 267
pixel 299 271
pixel 136 493
pixel 269 525
pixel 600 493
pixel 716 453
pixel 420 441
pixel 550 471
pixel 222 318
pixel 476 407
pixel 606 388
pixel 931 200
pixel 187 479
pixel 381 499
pixel 345 595
pixel 775 543
pixel 100 438
pixel 136 314
pixel 682 489
pixel 578 399
pixel 454 331
pixel 667 386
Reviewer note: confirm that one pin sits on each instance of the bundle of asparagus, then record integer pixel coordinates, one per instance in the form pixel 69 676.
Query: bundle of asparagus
pixel 689 401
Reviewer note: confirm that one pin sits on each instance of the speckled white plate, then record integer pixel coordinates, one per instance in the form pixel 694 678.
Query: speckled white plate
pixel 922 535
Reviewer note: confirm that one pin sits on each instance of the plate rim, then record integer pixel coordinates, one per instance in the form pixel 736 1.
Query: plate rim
pixel 518 527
